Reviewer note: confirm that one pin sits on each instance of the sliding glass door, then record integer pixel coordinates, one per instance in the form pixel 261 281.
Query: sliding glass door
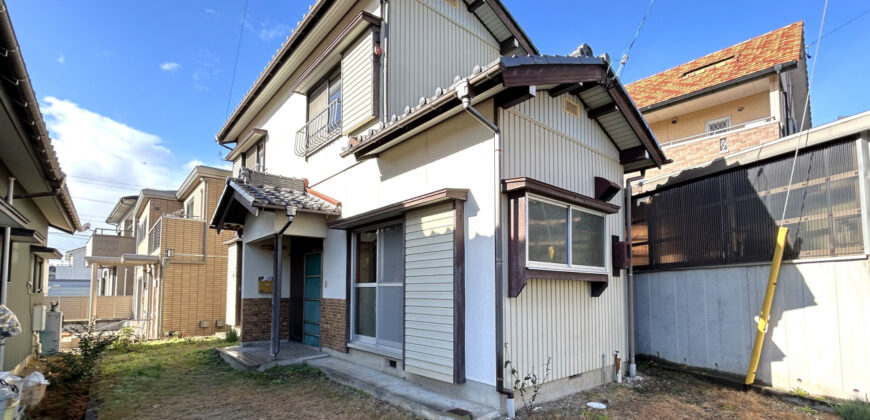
pixel 378 286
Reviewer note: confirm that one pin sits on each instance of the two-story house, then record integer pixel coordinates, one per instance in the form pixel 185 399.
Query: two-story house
pixel 72 276
pixel 727 101
pixel 34 198
pixel 177 264
pixel 418 192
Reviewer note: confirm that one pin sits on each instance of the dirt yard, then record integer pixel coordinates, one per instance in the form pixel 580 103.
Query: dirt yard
pixel 664 394
pixel 186 378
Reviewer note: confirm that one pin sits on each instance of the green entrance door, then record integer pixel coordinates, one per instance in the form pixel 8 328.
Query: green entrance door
pixel 311 299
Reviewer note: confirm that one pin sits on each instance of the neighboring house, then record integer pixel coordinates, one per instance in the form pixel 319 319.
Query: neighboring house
pixel 703 242
pixel 72 277
pixel 34 198
pixel 435 203
pixel 176 263
pixel 727 101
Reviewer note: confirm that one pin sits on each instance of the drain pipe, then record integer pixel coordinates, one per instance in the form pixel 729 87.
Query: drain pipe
pixel 275 339
pixel 4 270
pixel 463 92
pixel 632 364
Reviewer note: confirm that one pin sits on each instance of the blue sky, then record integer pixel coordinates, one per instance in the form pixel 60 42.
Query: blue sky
pixel 133 92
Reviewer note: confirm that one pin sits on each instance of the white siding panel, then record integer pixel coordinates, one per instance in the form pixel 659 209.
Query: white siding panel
pixel 357 84
pixel 817 338
pixel 430 43
pixel 429 296
pixel 560 319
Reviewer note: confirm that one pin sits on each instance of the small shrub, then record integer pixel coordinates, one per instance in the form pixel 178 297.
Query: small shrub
pixel 529 386
pixel 79 365
pixel 854 410
pixel 125 339
pixel 232 335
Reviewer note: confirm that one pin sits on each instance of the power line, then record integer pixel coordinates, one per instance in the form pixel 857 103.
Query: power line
pixel 854 18
pixel 94 200
pixel 624 58
pixel 804 116
pixel 236 64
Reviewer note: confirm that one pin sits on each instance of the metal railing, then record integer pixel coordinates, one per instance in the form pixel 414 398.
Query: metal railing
pixel 322 128
pixel 112 232
pixel 154 236
pixel 726 131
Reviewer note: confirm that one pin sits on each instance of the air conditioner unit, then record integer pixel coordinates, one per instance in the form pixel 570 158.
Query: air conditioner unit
pixel 204 324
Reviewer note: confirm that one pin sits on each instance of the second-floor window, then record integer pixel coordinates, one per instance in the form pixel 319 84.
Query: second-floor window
pixel 188 210
pixel 719 124
pixel 261 156
pixel 324 115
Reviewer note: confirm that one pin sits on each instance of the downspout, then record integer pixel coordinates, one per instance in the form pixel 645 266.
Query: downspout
pixel 463 92
pixel 4 270
pixel 164 261
pixel 275 338
pixel 632 364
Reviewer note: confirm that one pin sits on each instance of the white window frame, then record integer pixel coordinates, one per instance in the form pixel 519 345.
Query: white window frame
pixel 716 121
pixel 569 267
pixel 366 341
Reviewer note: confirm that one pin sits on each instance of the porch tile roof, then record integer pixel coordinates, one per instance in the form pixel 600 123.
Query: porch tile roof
pixel 276 196
pixel 763 52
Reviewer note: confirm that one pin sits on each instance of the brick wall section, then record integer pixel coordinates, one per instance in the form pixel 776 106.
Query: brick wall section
pixel 333 325
pixel 698 152
pixel 257 319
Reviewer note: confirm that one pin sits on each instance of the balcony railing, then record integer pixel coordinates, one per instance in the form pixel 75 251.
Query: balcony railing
pixel 322 128
pixel 734 128
pixel 154 236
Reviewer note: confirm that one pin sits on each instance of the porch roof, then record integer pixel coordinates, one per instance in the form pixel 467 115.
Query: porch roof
pixel 256 191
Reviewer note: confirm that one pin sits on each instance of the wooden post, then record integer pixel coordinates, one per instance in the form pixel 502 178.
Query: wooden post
pixel 92 297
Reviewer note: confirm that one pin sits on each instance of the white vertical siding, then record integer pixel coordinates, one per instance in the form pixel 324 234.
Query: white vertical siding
pixel 429 323
pixel 559 318
pixel 232 260
pixel 357 80
pixel 817 339
pixel 430 43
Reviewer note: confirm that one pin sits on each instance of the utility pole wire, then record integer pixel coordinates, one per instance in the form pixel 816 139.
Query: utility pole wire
pixel 624 58
pixel 804 116
pixel 236 63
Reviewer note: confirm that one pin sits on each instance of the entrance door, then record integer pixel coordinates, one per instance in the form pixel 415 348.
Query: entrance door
pixel 311 299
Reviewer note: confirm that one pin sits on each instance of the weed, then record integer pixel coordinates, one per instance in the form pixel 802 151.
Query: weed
pixel 126 337
pixel 800 392
pixel 809 411
pixel 232 335
pixel 530 383
pixel 854 410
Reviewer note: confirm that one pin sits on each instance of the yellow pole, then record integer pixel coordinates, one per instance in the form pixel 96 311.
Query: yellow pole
pixel 768 302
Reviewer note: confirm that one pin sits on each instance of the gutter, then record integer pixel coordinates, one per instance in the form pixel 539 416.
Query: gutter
pixel 632 364
pixel 275 333
pixel 4 270
pixel 721 86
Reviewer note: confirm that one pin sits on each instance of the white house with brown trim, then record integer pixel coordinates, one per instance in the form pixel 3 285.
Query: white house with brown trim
pixel 436 197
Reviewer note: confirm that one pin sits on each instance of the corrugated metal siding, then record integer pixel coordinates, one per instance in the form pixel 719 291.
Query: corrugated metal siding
pixel 429 322
pixel 558 318
pixel 357 79
pixel 732 217
pixel 237 166
pixel 817 340
pixel 431 42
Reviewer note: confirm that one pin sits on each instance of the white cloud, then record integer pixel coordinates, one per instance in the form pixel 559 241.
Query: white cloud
pixel 104 160
pixel 268 29
pixel 60 59
pixel 170 66
pixel 211 11
pixel 207 67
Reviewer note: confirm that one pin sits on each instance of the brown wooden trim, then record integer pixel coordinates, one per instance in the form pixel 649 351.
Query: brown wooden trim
pixel 473 6
pixel 563 88
pixel 536 273
pixel 597 288
pixel 376 72
pixel 601 111
pixel 458 292
pixel 249 206
pixel 513 96
pixel 605 189
pixel 635 120
pixel 396 209
pixel 512 26
pixel 543 74
pixel 509 45
pixel 631 155
pixel 516 244
pixel 338 40
pixel 524 184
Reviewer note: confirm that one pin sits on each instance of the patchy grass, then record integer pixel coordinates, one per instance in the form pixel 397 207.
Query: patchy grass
pixel 854 410
pixel 664 394
pixel 186 378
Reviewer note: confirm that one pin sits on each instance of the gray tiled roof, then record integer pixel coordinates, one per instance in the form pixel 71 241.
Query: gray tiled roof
pixel 266 190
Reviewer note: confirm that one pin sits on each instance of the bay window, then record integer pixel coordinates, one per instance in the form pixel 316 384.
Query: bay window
pixel 378 286
pixel 565 237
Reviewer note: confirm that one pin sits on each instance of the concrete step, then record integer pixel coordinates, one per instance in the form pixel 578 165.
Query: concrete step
pixel 396 391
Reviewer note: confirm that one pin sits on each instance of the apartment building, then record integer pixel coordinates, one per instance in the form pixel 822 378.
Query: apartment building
pixel 402 199
pixel 163 244
pixel 727 101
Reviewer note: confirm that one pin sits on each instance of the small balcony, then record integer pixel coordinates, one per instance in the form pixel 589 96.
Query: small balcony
pixel 320 130
pixel 184 237
pixel 110 243
pixel 730 130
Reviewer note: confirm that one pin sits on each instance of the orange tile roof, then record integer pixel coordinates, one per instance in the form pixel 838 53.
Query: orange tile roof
pixel 760 53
